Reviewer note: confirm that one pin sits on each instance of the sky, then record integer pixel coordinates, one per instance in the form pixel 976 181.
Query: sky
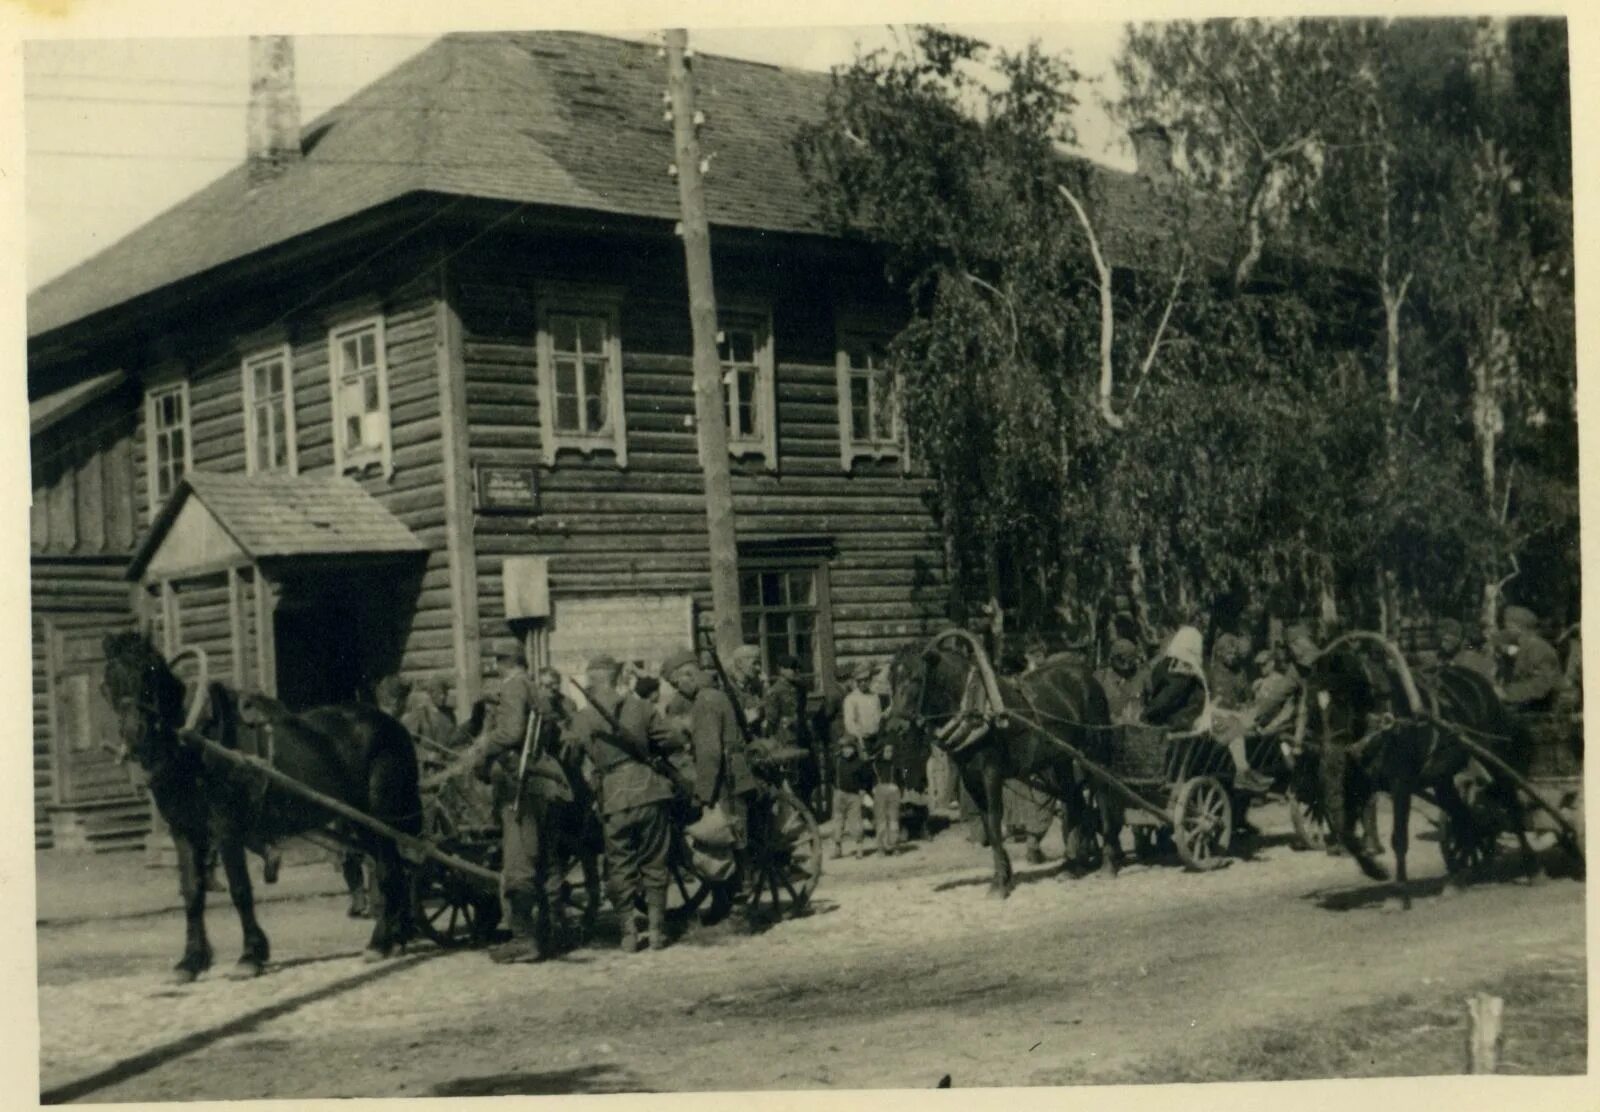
pixel 118 130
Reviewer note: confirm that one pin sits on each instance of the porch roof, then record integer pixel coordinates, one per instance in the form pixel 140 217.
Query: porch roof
pixel 214 516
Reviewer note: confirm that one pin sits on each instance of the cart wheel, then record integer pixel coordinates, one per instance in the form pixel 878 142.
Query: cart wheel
pixel 1202 823
pixel 450 912
pixel 1465 851
pixel 788 862
pixel 1310 828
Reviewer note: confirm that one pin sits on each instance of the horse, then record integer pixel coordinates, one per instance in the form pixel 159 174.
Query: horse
pixel 1380 729
pixel 354 754
pixel 934 690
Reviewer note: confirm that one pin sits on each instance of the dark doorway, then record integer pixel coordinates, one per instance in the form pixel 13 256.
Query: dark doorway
pixel 319 653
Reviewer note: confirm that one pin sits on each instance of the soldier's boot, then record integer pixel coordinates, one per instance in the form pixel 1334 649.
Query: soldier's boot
pixel 524 945
pixel 1034 854
pixel 657 909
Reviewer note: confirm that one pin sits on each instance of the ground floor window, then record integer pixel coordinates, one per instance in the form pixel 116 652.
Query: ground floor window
pixel 784 608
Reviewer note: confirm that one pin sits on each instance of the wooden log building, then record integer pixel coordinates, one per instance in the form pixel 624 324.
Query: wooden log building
pixel 414 381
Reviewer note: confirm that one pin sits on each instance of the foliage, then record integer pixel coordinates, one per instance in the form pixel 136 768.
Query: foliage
pixel 1280 432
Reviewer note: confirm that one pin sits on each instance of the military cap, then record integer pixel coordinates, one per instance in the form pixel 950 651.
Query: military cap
pixel 1122 647
pixel 604 663
pixel 1448 626
pixel 747 654
pixel 1520 617
pixel 788 660
pixel 677 660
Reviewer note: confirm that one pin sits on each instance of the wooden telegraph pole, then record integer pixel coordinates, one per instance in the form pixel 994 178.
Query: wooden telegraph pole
pixel 710 422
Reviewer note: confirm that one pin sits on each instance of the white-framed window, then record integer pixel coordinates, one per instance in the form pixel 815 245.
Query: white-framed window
pixel 168 452
pixel 359 376
pixel 269 411
pixel 749 394
pixel 871 422
pixel 580 372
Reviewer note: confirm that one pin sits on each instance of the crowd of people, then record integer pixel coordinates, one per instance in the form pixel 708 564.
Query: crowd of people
pixel 641 741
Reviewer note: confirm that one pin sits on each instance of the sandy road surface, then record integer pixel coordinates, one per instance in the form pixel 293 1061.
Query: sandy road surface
pixel 904 972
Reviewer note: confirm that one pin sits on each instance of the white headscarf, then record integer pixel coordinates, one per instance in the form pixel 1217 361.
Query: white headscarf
pixel 1187 648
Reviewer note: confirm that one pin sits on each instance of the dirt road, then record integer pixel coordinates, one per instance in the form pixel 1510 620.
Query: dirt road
pixel 904 972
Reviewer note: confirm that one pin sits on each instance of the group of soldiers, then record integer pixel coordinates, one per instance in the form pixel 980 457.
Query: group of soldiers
pixel 634 752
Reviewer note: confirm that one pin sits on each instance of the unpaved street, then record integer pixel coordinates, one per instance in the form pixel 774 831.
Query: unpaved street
pixel 904 971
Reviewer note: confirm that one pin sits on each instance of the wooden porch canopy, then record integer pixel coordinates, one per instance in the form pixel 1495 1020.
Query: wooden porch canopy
pixel 214 561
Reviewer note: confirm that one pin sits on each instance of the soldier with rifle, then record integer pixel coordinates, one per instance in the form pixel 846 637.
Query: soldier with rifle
pixel 626 740
pixel 518 761
pixel 717 736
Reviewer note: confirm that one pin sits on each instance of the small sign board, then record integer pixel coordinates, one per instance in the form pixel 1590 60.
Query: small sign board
pixel 506 490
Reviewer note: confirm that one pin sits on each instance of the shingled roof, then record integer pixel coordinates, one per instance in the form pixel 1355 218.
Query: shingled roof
pixel 274 516
pixel 551 118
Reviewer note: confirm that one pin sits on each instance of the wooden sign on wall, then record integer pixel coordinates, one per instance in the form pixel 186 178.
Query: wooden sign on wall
pixel 506 490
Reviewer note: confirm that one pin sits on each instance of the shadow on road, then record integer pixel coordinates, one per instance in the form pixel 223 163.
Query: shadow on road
pixel 144 1062
pixel 600 1078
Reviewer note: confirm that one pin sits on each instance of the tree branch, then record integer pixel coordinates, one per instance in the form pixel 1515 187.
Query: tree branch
pixel 1161 328
pixel 1107 312
pixel 1016 330
pixel 1227 100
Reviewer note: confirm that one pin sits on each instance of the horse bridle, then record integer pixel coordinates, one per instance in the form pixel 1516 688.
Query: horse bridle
pixel 148 707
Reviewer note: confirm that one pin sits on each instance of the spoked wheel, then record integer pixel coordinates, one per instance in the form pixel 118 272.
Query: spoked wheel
pixel 787 862
pixel 1202 823
pixel 452 912
pixel 1310 826
pixel 1465 848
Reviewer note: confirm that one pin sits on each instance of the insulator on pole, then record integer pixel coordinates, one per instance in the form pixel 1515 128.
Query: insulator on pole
pixel 672 169
pixel 705 165
pixel 677 229
pixel 667 115
pixel 666 96
pixel 699 118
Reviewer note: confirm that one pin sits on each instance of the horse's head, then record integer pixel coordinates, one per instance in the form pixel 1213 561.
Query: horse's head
pixel 927 688
pixel 1352 690
pixel 147 697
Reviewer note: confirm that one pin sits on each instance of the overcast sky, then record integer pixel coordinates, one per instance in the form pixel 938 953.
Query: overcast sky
pixel 119 130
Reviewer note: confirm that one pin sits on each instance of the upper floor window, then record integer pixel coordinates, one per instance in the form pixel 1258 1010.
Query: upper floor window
pixel 167 451
pixel 580 373
pixel 744 344
pixel 870 423
pixel 360 382
pixel 269 411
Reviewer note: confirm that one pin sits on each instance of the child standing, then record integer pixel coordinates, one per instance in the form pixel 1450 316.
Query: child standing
pixel 863 713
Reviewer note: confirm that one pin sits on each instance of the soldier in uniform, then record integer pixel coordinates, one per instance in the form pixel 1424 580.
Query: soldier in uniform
pixel 635 798
pixel 722 775
pixel 525 717
pixel 426 716
pixel 749 687
pixel 1535 669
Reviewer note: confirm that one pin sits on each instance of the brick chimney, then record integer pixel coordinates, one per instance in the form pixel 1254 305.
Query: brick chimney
pixel 1152 150
pixel 273 128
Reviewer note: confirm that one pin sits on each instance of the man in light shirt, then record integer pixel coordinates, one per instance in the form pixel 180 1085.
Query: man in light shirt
pixel 863 714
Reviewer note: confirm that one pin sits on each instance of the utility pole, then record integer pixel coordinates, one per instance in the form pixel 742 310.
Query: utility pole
pixel 709 420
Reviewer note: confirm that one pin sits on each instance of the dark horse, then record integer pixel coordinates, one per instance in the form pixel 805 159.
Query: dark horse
pixel 938 695
pixel 1380 730
pixel 354 754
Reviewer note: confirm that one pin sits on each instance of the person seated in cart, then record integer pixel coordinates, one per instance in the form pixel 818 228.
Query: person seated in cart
pixel 1272 710
pixel 1534 670
pixel 1228 680
pixel 427 716
pixel 1176 698
pixel 1122 682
